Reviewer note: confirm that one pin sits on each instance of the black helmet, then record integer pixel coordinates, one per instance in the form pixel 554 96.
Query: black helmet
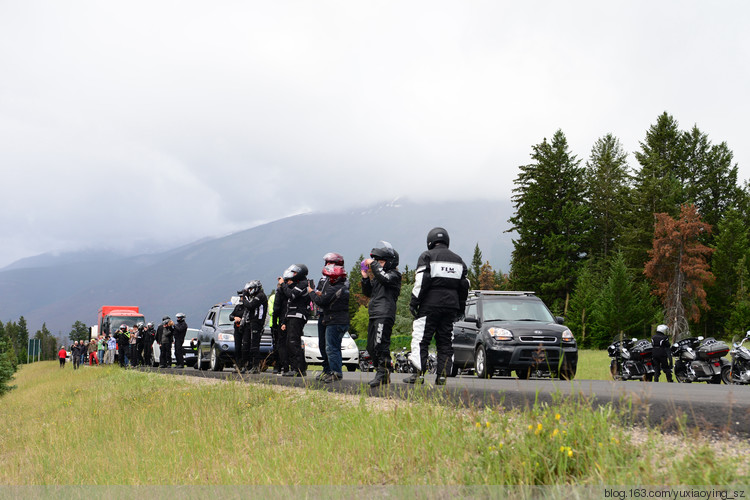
pixel 295 272
pixel 437 235
pixel 385 251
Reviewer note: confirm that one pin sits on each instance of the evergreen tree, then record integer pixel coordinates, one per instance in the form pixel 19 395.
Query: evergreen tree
pixel 8 361
pixel 356 298
pixel 22 339
pixel 678 268
pixel 551 220
pixel 580 317
pixel 475 269
pixel 732 246
pixel 739 319
pixel 487 277
pixel 48 343
pixel 625 306
pixel 79 331
pixel 608 191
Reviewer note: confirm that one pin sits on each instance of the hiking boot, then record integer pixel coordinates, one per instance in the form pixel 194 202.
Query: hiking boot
pixel 381 378
pixel 333 377
pixel 414 378
pixel 440 380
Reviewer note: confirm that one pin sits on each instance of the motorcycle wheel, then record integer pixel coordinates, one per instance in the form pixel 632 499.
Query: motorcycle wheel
pixel 613 370
pixel 681 377
pixel 726 374
pixel 716 379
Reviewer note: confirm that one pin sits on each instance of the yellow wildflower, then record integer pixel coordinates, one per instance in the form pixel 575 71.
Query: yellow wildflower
pixel 557 416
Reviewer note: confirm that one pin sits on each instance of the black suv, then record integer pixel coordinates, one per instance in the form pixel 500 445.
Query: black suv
pixel 512 331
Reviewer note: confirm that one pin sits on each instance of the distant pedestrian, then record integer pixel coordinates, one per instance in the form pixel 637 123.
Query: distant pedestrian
pixel 75 354
pixel 662 356
pixel 101 346
pixel 164 336
pixel 334 298
pixel 62 354
pixel 91 349
pixel 123 337
pixel 294 286
pixel 109 357
pixel 149 335
pixel 180 331
pixel 133 346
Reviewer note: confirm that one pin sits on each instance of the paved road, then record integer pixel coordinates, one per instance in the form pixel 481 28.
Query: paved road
pixel 712 407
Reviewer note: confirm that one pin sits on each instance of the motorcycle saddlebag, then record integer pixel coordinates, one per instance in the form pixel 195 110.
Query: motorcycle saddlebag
pixel 712 350
pixel 642 348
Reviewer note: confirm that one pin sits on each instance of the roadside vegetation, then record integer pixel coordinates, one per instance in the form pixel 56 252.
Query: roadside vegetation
pixel 113 426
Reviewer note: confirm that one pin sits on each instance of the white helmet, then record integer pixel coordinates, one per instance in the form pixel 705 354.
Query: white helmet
pixel 662 329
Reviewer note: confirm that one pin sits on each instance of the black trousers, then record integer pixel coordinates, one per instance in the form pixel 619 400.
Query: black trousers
pixel 256 331
pixel 165 356
pixel 379 342
pixel 241 345
pixel 179 354
pixel 322 345
pixel 148 353
pixel 661 363
pixel 437 323
pixel 294 328
pixel 279 347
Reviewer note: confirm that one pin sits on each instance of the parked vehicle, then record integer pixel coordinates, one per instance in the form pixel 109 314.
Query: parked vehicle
pixel 110 318
pixel 365 361
pixel 189 349
pixel 502 332
pixel 632 359
pixel 402 361
pixel 349 349
pixel 698 359
pixel 738 371
pixel 215 347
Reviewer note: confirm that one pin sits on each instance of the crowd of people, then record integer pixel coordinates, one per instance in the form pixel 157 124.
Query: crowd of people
pixel 438 298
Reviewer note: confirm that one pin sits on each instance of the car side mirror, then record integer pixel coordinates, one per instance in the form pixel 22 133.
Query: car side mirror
pixel 209 322
pixel 354 336
pixel 559 320
pixel 472 319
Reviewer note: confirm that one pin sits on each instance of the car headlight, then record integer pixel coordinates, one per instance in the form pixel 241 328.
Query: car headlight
pixel 226 337
pixel 349 345
pixel 313 344
pixel 567 336
pixel 500 334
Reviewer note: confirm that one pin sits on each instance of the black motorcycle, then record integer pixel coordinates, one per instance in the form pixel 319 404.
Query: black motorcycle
pixel 365 361
pixel 738 371
pixel 631 359
pixel 699 360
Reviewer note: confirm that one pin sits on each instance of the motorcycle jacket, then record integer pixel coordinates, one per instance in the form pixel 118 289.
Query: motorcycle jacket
pixel 149 335
pixel 320 287
pixel 279 308
pixel 180 329
pixel 440 281
pixel 334 299
pixel 256 308
pixel 383 289
pixel 298 299
pixel 661 345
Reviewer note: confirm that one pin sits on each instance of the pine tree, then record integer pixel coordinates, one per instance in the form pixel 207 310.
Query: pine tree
pixel 739 319
pixel 8 360
pixel 475 269
pixel 608 191
pixel 79 331
pixel 551 220
pixel 356 298
pixel 678 268
pixel 22 339
pixel 487 278
pixel 582 302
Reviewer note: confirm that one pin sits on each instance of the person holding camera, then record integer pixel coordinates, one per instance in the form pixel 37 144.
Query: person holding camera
pixel 278 319
pixel 294 285
pixel 165 335
pixel 381 281
pixel 331 258
pixel 438 298
pixel 149 335
pixel 123 344
pixel 180 330
pixel 333 298
pixel 248 317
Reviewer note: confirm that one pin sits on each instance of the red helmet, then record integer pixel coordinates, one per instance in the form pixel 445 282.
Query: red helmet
pixel 334 273
pixel 333 258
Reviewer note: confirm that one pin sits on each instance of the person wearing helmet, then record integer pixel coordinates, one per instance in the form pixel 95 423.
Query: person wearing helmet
pixel 438 298
pixel 165 335
pixel 123 344
pixel 294 286
pixel 277 320
pixel 662 354
pixel 149 335
pixel 381 281
pixel 180 330
pixel 253 308
pixel 140 342
pixel 333 298
pixel 335 259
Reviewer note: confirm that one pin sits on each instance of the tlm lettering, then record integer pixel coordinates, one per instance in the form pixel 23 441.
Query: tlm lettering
pixel 446 269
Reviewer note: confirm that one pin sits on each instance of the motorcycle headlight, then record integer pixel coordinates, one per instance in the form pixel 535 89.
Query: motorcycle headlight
pixel 226 337
pixel 567 336
pixel 625 353
pixel 500 334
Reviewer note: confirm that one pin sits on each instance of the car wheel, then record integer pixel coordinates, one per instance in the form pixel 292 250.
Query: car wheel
pixel 215 360
pixel 198 359
pixel 481 365
pixel 351 368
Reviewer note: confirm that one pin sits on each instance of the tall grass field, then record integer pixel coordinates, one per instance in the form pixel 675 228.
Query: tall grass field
pixel 106 425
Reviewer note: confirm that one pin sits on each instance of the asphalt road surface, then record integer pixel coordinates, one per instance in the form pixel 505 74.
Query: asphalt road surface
pixel 714 408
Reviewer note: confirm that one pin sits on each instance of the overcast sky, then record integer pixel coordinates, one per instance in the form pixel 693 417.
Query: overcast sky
pixel 155 123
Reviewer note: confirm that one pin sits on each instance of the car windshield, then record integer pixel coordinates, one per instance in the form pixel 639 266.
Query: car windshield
pixel 224 313
pixel 516 310
pixel 116 321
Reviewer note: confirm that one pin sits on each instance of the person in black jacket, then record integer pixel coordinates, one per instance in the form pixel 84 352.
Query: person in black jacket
pixel 294 286
pixel 256 309
pixel 331 258
pixel 333 298
pixel 381 281
pixel 280 338
pixel 438 299
pixel 149 335
pixel 123 344
pixel 662 356
pixel 164 336
pixel 180 330
pixel 241 331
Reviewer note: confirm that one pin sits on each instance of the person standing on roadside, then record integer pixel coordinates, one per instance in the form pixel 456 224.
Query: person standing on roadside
pixel 180 330
pixel 294 286
pixel 662 356
pixel 149 335
pixel 123 338
pixel 62 354
pixel 91 349
pixel 256 307
pixel 331 258
pixel 133 346
pixel 277 322
pixel 165 335
pixel 438 299
pixel 101 348
pixel 334 299
pixel 381 281
pixel 75 355
pixel 274 356
pixel 109 357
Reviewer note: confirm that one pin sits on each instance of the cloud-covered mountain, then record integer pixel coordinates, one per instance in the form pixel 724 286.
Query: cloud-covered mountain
pixel 59 290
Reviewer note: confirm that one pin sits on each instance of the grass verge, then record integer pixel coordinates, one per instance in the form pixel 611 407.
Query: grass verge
pixel 111 426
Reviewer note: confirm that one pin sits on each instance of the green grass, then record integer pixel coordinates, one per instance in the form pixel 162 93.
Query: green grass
pixel 112 426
